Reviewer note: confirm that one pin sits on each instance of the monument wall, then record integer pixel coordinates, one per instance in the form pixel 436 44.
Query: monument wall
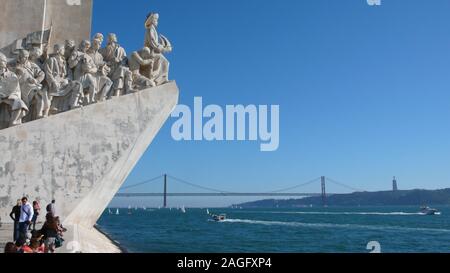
pixel 81 157
pixel 70 19
pixel 76 135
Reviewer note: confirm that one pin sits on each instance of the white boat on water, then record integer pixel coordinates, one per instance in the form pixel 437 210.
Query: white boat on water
pixel 219 218
pixel 183 209
pixel 429 211
pixel 117 211
pixel 109 211
pixel 207 211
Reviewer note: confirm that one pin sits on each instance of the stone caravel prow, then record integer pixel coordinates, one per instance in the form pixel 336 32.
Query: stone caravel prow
pixel 81 157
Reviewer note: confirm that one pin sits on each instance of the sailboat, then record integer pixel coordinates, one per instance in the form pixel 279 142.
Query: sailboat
pixel 117 211
pixel 207 211
pixel 129 209
pixel 144 208
pixel 109 211
pixel 183 209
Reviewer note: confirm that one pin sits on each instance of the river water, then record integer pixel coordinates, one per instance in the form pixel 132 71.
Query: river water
pixel 302 230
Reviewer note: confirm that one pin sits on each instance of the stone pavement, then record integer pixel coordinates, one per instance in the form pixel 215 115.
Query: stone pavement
pixel 77 240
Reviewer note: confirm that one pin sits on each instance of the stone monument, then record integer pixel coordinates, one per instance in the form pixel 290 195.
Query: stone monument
pixel 75 117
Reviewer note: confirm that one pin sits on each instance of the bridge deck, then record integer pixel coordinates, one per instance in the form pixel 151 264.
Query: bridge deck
pixel 218 194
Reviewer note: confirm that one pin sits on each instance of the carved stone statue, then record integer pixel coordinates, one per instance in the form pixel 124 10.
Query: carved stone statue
pixel 104 84
pixel 10 96
pixel 64 93
pixel 84 70
pixel 116 58
pixel 158 45
pixel 69 48
pixel 141 60
pixel 39 84
pixel 36 56
pixel 31 77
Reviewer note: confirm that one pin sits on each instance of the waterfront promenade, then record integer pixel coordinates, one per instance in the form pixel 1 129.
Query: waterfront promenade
pixel 78 239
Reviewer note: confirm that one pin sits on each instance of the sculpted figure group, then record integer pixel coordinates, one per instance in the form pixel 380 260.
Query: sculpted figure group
pixel 35 85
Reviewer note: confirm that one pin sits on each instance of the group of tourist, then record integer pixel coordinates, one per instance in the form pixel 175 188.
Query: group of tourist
pixel 29 240
pixel 36 84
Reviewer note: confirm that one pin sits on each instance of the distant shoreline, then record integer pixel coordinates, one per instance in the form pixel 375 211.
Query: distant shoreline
pixel 381 198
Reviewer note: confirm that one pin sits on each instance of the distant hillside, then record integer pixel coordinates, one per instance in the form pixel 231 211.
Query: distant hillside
pixel 381 198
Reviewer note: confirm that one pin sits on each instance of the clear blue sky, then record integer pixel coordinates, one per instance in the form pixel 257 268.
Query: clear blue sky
pixel 364 92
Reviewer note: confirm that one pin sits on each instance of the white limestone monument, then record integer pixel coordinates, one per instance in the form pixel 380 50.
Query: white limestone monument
pixel 76 112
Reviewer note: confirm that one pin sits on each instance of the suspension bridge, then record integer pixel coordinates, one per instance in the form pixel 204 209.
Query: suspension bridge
pixel 291 191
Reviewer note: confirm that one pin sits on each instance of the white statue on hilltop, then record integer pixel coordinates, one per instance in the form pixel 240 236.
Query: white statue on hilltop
pixel 159 45
pixel 10 96
pixel 31 77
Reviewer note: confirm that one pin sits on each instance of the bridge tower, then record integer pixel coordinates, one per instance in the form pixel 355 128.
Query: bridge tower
pixel 165 190
pixel 324 193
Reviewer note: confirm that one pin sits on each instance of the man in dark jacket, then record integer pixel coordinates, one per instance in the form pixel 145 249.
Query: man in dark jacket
pixel 15 216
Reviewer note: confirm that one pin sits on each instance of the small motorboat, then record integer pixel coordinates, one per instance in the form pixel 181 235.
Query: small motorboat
pixel 428 211
pixel 219 218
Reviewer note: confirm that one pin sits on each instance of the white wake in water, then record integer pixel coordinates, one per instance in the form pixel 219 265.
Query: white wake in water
pixel 340 213
pixel 328 225
pixel 349 213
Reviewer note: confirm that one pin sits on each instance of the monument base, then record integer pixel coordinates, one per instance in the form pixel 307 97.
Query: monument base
pixel 81 157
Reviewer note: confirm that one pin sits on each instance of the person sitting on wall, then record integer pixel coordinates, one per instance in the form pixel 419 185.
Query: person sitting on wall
pixel 10 248
pixel 50 232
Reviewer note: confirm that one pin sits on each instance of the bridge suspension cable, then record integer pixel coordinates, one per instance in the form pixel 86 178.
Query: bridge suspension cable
pixel 343 185
pixel 283 190
pixel 196 186
pixel 297 186
pixel 142 183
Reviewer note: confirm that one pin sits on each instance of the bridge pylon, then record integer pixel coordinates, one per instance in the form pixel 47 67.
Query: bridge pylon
pixel 165 190
pixel 324 193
